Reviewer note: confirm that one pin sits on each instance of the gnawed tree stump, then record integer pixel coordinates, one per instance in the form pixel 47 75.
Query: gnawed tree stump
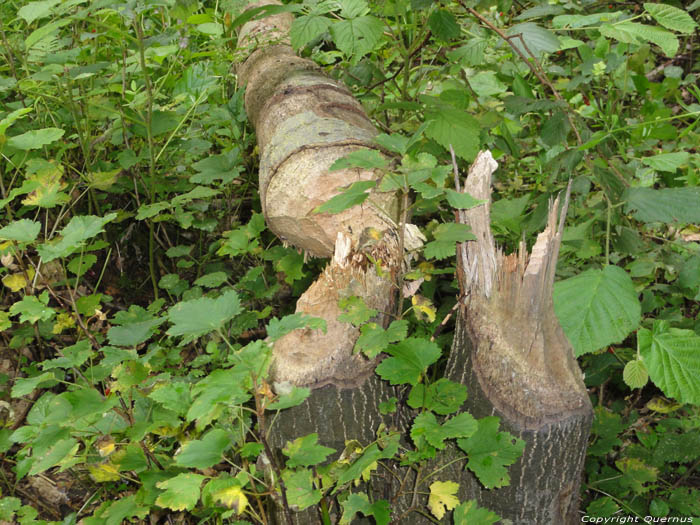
pixel 304 122
pixel 512 355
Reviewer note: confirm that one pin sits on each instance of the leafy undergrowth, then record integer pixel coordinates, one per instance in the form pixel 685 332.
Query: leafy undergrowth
pixel 141 290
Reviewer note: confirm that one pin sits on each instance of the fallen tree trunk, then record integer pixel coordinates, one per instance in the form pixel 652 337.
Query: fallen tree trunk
pixel 512 355
pixel 304 122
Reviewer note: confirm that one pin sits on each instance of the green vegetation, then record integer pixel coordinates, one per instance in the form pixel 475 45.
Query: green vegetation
pixel 141 291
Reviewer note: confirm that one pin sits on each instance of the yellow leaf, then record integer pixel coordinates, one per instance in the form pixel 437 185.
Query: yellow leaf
pixel 63 321
pixel 442 497
pixel 15 281
pixel 663 406
pixel 104 472
pixel 367 473
pixel 105 445
pixel 233 498
pixel 423 308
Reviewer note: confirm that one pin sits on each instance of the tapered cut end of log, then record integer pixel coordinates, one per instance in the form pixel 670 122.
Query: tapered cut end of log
pixel 522 359
pixel 315 359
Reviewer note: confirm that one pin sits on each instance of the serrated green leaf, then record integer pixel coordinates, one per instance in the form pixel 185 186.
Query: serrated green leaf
pixel 669 162
pixel 671 17
pixel 352 196
pixel 53 455
pixel 442 397
pixel 25 385
pixel 212 280
pixel 597 308
pixel 370 455
pixel 307 28
pixel 635 374
pixel 426 427
pixel 205 452
pixel 73 236
pixel 409 359
pixel 443 24
pixel 294 397
pixel 362 158
pixel 634 33
pixel 305 451
pixel 355 310
pixel 198 317
pixel 486 84
pixel 374 339
pixel 461 200
pixel 672 357
pixel 279 327
pixel 33 309
pixel 181 492
pixel 35 139
pixel 451 126
pixel 23 230
pixel 537 39
pixel 664 205
pixel 300 488
pixel 490 452
pixel 468 513
pixel 447 236
pixel 358 36
pixel 133 334
pixel 223 386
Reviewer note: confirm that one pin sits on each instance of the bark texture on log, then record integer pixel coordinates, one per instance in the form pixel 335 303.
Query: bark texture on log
pixel 304 122
pixel 511 353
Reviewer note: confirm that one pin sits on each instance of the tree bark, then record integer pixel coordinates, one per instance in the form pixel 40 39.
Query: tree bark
pixel 304 122
pixel 509 349
pixel 512 355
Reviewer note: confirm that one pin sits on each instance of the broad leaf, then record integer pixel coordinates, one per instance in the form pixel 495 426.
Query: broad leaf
pixel 305 451
pixel 444 25
pixel 667 161
pixel 533 39
pixel 468 513
pixel 35 139
pixel 181 492
pixel 671 17
pixel 672 357
pixel 597 308
pixel 23 230
pixel 205 452
pixel 307 28
pixel 490 452
pixel 358 36
pixel 198 317
pixel 451 126
pixel 352 196
pixel 634 33
pixel 635 374
pixel 665 205
pixel 409 360
pixel 442 497
pixel 446 238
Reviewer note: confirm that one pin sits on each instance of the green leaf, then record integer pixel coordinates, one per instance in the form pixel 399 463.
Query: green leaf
pixel 174 396
pixel 359 502
pixel 672 357
pixel 224 167
pixel 205 452
pixel 35 139
pixel 597 308
pixel 305 451
pixel 426 427
pixel 370 455
pixel 352 196
pixel 635 374
pixel 353 8
pixel 212 280
pixel 77 231
pixel 486 83
pixel 490 452
pixel 193 319
pixel 409 360
pixel 11 118
pixel 73 356
pixel 23 230
pixel 602 507
pixel 279 327
pixel 537 40
pixel 358 36
pixel 462 201
pixel 133 334
pixel 307 28
pixel 222 386
pixel 300 489
pixel 468 513
pixel 53 455
pixel 444 25
pixel 295 396
pixel 669 162
pixel 33 309
pixel 81 264
pixel 374 339
pixel 26 385
pixel 446 236
pixel 555 128
pixel 671 17
pixel 355 310
pixel 362 158
pixel 634 33
pixel 181 492
pixel 442 397
pixel 665 205
pixel 451 126
pixel 118 512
